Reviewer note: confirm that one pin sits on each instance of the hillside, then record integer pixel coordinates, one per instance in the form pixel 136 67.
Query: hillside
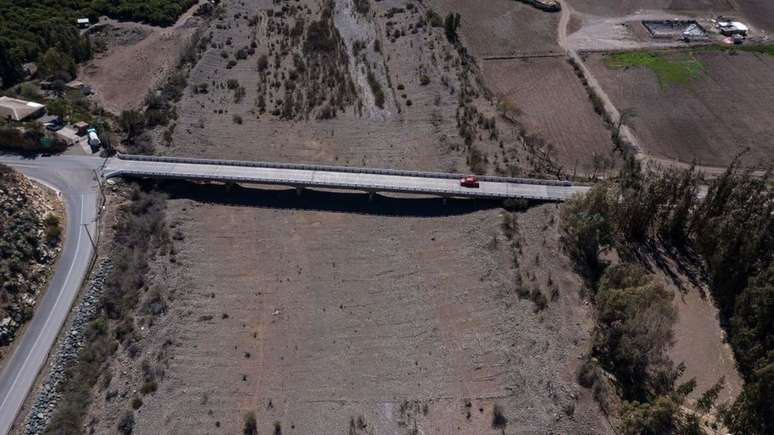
pixel 30 236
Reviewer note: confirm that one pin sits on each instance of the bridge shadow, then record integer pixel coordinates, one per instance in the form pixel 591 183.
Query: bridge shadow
pixel 320 200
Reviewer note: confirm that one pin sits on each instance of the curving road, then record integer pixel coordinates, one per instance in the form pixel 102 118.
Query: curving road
pixel 73 177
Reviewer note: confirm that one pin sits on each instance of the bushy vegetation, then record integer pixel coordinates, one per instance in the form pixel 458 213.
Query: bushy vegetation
pixel 729 233
pixel 45 31
pixel 140 234
pixel 376 89
pixel 21 249
pixel 29 142
pixel 159 108
pixel 634 330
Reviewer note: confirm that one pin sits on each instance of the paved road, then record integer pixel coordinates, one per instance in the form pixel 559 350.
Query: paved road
pixel 368 180
pixel 73 177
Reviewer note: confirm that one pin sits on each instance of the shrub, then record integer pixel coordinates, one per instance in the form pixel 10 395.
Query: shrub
pixel 232 84
pixel 250 425
pixel 424 80
pixel 131 122
pixel 263 63
pixel 126 424
pixel 362 6
pixel 539 299
pixel 239 94
pixel 434 19
pixel 149 387
pixel 237 119
pixel 499 421
pixel 53 230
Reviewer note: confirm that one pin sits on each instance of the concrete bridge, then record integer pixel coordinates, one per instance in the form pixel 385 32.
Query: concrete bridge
pixel 368 180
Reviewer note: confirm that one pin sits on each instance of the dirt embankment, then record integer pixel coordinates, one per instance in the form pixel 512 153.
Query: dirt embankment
pixel 325 312
pixel 136 58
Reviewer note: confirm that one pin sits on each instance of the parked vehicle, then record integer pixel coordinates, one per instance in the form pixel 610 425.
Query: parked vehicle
pixel 470 181
pixel 94 141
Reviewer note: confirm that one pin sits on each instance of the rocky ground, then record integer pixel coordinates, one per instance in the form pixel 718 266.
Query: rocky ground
pixel 48 395
pixel 29 245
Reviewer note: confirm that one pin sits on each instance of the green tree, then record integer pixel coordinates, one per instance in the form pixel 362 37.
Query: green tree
pixel 733 231
pixel 10 70
pixel 753 411
pixel 586 230
pixel 56 64
pixel 752 326
pixel 656 418
pixel 634 330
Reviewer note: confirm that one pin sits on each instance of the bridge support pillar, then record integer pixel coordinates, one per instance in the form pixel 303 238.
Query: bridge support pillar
pixel 370 197
pixel 299 191
pixel 444 200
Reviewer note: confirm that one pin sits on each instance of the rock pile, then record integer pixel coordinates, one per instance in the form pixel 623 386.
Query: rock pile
pixel 67 353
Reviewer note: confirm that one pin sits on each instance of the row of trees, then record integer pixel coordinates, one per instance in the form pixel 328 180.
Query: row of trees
pixel 45 32
pixel 726 226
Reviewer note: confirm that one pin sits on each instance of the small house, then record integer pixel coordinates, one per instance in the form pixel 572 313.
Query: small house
pixel 83 23
pixel 80 128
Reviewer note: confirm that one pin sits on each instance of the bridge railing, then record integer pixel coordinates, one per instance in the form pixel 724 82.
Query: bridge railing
pixel 332 185
pixel 344 169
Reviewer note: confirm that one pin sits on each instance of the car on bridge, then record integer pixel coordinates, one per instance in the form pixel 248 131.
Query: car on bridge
pixel 470 181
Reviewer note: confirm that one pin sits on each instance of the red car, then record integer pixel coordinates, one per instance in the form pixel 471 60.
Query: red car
pixel 469 181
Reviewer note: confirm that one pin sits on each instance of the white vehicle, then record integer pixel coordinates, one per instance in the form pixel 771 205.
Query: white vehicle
pixel 94 141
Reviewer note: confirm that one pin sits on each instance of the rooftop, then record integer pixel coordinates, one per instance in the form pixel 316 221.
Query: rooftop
pixel 18 109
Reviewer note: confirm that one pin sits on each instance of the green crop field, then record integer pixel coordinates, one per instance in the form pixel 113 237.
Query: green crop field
pixel 677 69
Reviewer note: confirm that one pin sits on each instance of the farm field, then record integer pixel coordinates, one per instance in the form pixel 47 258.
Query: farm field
pixel 503 27
pixel 532 87
pixel 708 119
pixel 614 8
pixel 759 12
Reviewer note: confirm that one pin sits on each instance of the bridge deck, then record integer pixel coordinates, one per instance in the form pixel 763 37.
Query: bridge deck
pixel 446 185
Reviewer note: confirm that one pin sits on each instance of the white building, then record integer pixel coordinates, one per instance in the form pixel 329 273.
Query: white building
pixel 19 110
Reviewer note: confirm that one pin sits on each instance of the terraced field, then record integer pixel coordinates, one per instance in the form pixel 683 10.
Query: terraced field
pixel 503 27
pixel 532 87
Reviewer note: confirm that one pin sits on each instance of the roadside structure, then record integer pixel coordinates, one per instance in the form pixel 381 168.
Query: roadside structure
pixel 19 110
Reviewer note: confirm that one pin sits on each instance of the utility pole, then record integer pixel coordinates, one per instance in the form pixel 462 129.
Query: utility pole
pixel 101 193
pixel 93 245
